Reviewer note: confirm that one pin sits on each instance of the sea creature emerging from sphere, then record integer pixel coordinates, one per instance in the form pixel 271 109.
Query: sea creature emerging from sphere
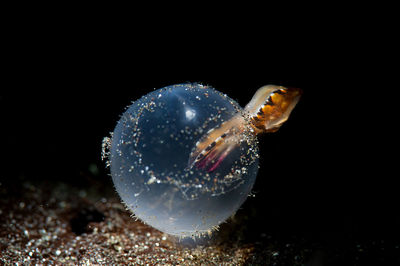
pixel 185 157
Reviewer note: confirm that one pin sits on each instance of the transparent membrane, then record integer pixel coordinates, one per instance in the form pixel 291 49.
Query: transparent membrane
pixel 149 153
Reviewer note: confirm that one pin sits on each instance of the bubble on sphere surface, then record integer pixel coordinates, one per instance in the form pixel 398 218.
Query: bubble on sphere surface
pixel 149 159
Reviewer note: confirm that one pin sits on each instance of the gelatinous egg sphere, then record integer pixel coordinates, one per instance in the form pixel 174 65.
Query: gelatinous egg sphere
pixel 152 163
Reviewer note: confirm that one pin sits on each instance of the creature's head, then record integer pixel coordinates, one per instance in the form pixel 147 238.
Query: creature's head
pixel 271 106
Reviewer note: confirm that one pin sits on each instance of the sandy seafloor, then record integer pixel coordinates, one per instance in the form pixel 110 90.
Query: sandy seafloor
pixel 57 223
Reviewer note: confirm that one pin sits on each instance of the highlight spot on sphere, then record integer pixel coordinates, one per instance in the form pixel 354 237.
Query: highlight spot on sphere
pixel 184 158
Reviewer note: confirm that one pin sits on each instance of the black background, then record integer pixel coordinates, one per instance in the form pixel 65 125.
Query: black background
pixel 66 84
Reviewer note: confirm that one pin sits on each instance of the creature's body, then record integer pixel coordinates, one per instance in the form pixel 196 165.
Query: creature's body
pixel 269 108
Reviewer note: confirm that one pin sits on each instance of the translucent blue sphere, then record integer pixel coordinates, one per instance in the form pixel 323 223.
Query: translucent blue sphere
pixel 149 158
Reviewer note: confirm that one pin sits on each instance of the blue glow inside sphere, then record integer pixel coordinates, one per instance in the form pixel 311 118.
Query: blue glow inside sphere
pixel 172 164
